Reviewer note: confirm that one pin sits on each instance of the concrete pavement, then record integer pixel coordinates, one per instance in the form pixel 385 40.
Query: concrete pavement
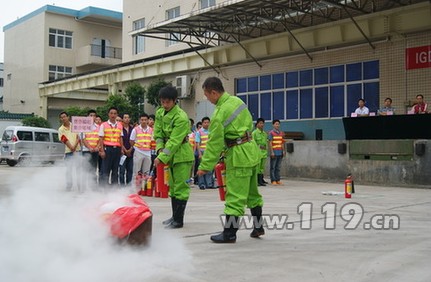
pixel 401 253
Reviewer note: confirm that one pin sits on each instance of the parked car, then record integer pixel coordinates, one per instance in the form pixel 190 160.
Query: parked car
pixel 25 144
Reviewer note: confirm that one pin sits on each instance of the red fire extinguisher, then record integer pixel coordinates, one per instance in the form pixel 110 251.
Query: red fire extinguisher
pixel 348 187
pixel 220 171
pixel 162 180
pixel 149 186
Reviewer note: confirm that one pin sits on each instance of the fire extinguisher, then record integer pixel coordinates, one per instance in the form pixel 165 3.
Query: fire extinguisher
pixel 162 180
pixel 149 186
pixel 348 187
pixel 220 171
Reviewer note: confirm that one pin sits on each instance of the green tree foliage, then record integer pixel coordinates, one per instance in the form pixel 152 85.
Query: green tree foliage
pixel 135 94
pixel 153 91
pixel 36 122
pixel 118 101
pixel 77 111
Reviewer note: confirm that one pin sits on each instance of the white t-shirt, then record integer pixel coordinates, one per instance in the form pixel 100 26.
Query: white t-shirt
pixel 362 111
pixel 133 138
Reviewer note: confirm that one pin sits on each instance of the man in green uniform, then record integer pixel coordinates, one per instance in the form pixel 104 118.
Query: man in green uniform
pixel 261 138
pixel 230 131
pixel 171 129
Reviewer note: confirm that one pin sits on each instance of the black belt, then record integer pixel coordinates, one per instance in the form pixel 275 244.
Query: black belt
pixel 113 147
pixel 234 142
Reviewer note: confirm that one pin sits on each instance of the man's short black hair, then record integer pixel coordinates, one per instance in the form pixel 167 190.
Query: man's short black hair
pixel 361 100
pixel 98 116
pixel 91 112
pixel 122 115
pixel 153 117
pixel 260 120
pixel 213 83
pixel 144 115
pixel 63 113
pixel 192 120
pixel 113 108
pixel 390 100
pixel 168 92
pixel 205 118
pixel 275 120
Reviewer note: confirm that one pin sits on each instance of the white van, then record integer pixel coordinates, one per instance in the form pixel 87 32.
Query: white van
pixel 25 144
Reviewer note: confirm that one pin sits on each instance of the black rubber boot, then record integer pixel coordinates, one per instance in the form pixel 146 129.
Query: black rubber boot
pixel 260 180
pixel 229 233
pixel 173 205
pixel 258 230
pixel 178 221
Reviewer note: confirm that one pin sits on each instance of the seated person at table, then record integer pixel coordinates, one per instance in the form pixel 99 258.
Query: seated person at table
pixel 420 107
pixel 362 111
pixel 383 111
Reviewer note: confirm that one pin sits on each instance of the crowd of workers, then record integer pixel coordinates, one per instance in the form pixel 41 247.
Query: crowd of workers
pixel 118 151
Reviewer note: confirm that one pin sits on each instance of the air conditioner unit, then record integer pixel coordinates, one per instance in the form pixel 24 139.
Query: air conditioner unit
pixel 183 86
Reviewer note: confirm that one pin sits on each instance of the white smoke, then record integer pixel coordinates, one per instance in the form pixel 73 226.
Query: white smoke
pixel 48 234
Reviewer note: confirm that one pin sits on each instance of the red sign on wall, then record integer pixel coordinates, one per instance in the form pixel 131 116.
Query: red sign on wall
pixel 418 57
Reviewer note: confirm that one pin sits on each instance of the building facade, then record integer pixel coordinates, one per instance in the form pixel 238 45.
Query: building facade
pixel 1 85
pixel 52 43
pixel 306 64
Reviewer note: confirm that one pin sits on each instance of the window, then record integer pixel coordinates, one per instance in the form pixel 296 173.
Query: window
pixel 60 38
pixel 55 138
pixel 138 44
pixel 139 24
pixel 41 136
pixel 265 106
pixel 138 40
pixel 57 72
pixel 207 3
pixel 324 92
pixel 25 135
pixel 171 14
pixel 1 82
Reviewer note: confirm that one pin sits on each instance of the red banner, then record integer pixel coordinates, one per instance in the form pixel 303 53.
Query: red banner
pixel 418 57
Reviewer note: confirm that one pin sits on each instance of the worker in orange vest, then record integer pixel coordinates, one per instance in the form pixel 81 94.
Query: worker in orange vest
pixel 140 139
pixel 91 145
pixel 205 181
pixel 110 134
pixel 277 151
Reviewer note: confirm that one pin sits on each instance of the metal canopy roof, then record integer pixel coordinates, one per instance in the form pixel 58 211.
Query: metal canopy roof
pixel 238 20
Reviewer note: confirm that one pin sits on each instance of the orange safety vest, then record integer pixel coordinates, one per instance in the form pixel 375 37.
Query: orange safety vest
pixel 143 139
pixel 93 137
pixel 204 140
pixel 192 139
pixel 277 140
pixel 112 134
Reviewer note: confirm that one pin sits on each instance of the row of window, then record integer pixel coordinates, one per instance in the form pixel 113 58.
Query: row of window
pixel 56 72
pixel 139 40
pixel 320 94
pixel 318 76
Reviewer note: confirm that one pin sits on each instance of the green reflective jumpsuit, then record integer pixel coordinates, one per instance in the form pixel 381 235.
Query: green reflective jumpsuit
pixel 231 120
pixel 170 131
pixel 261 139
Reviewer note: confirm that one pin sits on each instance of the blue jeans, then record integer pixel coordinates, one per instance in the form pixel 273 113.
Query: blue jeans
pixel 275 165
pixel 206 180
